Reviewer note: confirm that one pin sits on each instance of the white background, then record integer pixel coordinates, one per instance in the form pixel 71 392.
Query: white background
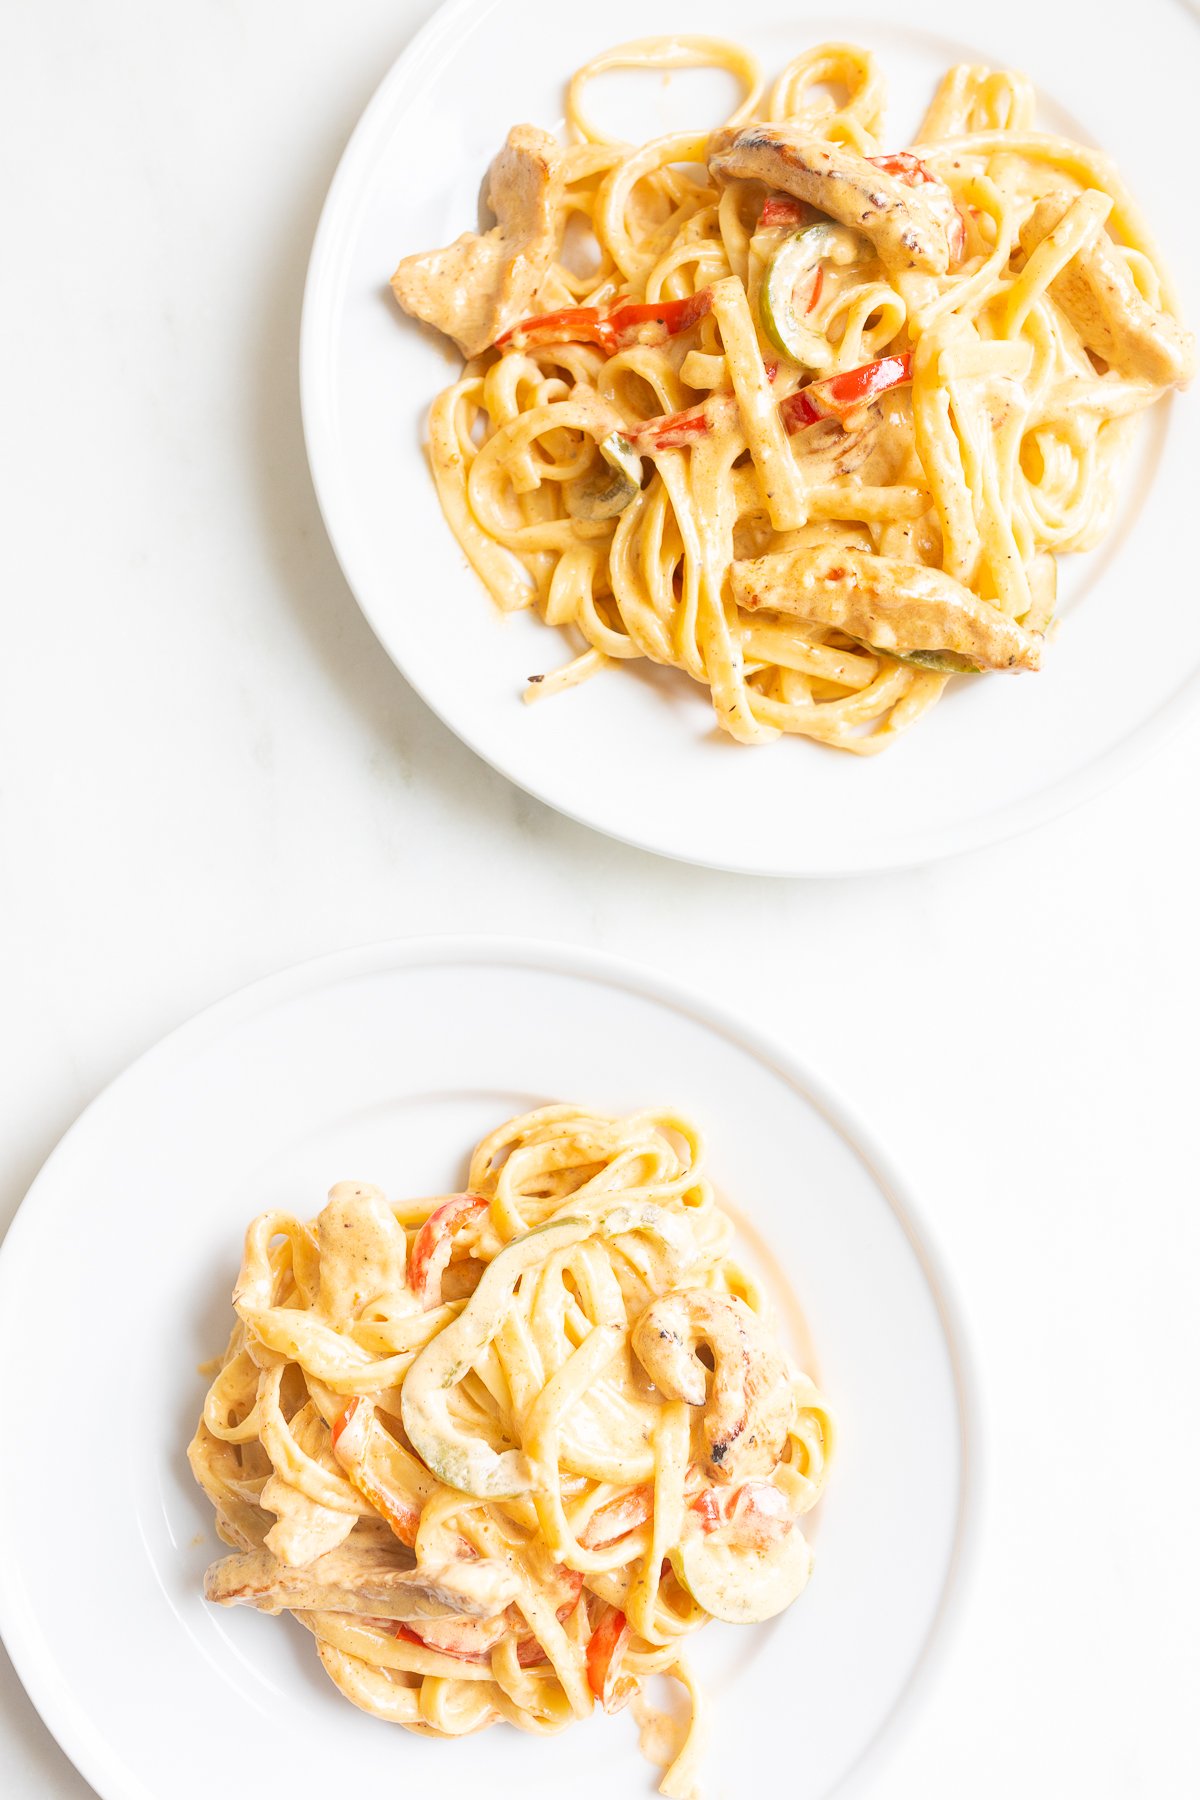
pixel 208 770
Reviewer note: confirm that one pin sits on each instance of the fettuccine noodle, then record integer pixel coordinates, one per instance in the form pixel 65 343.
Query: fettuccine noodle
pixel 788 341
pixel 503 1453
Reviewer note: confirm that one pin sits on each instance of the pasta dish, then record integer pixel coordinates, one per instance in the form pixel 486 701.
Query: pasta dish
pixel 502 1453
pixel 804 414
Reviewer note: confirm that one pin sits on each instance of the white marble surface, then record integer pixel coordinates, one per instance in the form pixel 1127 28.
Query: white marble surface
pixel 208 770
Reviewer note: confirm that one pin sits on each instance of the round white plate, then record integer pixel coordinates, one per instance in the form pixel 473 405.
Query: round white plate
pixel 386 1065
pixel 635 752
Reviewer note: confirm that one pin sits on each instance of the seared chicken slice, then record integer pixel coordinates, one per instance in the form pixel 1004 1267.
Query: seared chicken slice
pixel 375 1583
pixel 480 285
pixel 1099 296
pixel 910 226
pixel 899 607
pixel 364 1253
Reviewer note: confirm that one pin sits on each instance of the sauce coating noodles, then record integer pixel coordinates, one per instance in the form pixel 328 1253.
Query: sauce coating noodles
pixel 503 1452
pixel 700 367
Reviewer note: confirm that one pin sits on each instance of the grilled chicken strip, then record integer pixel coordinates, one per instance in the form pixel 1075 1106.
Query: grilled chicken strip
pixel 480 285
pixel 375 1583
pixel 1100 297
pixel 910 227
pixel 364 1253
pixel 898 607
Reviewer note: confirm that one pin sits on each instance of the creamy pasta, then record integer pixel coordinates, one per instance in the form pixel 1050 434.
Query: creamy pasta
pixel 504 1453
pixel 804 415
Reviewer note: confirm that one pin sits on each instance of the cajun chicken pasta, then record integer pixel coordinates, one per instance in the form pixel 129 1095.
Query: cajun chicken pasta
pixel 801 412
pixel 504 1453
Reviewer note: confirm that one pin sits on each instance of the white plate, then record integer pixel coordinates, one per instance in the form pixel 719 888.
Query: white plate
pixel 386 1064
pixel 636 754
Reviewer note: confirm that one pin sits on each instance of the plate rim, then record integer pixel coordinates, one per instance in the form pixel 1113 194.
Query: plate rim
pixel 65 1715
pixel 318 311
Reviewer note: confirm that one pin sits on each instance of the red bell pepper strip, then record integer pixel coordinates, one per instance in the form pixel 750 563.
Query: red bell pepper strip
pixel 622 325
pixel 529 1650
pixel 350 1438
pixel 673 315
pixel 569 325
pixel 902 163
pixel 344 1419
pixel 605 1651
pixel 612 1520
pixel 629 1510
pixel 708 1506
pixel 408 1636
pixel 757 1506
pixel 673 430
pixel 473 1631
pixel 818 284
pixel 432 1245
pixel 763 1504
pixel 838 396
pixel 781 209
